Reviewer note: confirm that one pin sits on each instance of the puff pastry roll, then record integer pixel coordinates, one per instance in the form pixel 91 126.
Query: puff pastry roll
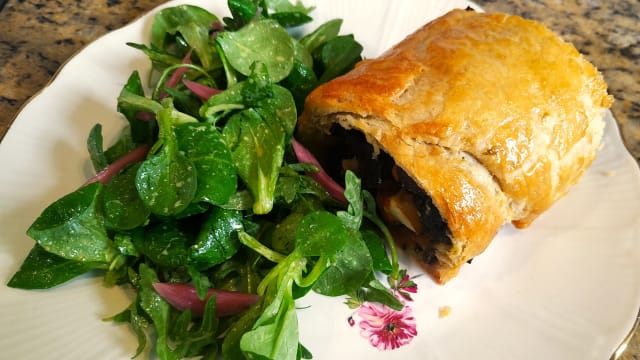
pixel 473 121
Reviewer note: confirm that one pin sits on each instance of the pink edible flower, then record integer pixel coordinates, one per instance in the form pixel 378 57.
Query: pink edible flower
pixel 386 328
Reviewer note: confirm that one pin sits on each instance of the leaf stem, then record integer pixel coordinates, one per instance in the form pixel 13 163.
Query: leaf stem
pixel 165 74
pixel 258 247
pixel 395 265
pixel 317 270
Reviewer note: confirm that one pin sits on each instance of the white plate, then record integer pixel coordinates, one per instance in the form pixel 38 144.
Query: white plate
pixel 566 288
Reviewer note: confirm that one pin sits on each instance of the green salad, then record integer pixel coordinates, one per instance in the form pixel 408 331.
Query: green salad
pixel 206 206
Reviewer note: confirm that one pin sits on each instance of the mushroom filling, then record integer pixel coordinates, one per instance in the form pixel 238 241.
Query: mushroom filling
pixel 401 202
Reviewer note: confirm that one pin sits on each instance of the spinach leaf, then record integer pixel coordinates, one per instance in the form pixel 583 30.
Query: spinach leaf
pixel 122 146
pixel 184 100
pixel 287 6
pixel 167 182
pixel 352 218
pixel 158 57
pixel 258 85
pixel 291 18
pixel 338 56
pixel 135 103
pixel 231 343
pixel 241 200
pixel 257 151
pixel 275 332
pixel 131 101
pixel 273 102
pixel 379 258
pixel 193 23
pixel 242 11
pixel 351 268
pixel 219 105
pixel 96 151
pixel 216 175
pixel 278 110
pixel 320 233
pixel 283 236
pixel 375 291
pixel 73 227
pixel 135 317
pixel 123 208
pixel 301 81
pixel 321 35
pixel 196 339
pixel 43 270
pixel 302 54
pixel 165 244
pixel 262 41
pixel 217 240
pixel 157 309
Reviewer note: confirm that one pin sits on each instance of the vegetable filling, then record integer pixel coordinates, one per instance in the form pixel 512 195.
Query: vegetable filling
pixel 402 203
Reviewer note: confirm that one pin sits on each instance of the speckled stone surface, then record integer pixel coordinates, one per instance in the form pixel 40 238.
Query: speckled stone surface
pixel 38 36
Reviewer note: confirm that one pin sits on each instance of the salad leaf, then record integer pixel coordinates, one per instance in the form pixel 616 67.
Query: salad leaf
pixel 202 191
pixel 157 309
pixel 278 110
pixel 279 6
pixel 231 343
pixel 380 260
pixel 193 24
pixel 262 41
pixel 134 316
pixel 96 151
pixel 320 233
pixel 167 180
pixel 287 13
pixel 351 268
pixel 75 216
pixel 338 56
pixel 257 153
pixel 275 332
pixel 217 240
pixel 141 131
pixel 321 35
pixel 165 244
pixel 43 270
pixel 204 147
pixel 123 207
pixel 242 11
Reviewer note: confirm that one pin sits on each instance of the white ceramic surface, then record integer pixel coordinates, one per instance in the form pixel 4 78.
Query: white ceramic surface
pixel 566 288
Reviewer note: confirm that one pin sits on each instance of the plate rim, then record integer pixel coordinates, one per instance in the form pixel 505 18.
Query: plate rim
pixel 620 349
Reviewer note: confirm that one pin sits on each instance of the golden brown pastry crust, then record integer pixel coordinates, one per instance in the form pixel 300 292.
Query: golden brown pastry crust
pixel 494 116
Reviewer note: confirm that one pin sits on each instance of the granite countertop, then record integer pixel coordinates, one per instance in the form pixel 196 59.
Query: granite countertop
pixel 38 36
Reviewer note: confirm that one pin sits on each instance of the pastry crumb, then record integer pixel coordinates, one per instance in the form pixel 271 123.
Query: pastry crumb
pixel 444 311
